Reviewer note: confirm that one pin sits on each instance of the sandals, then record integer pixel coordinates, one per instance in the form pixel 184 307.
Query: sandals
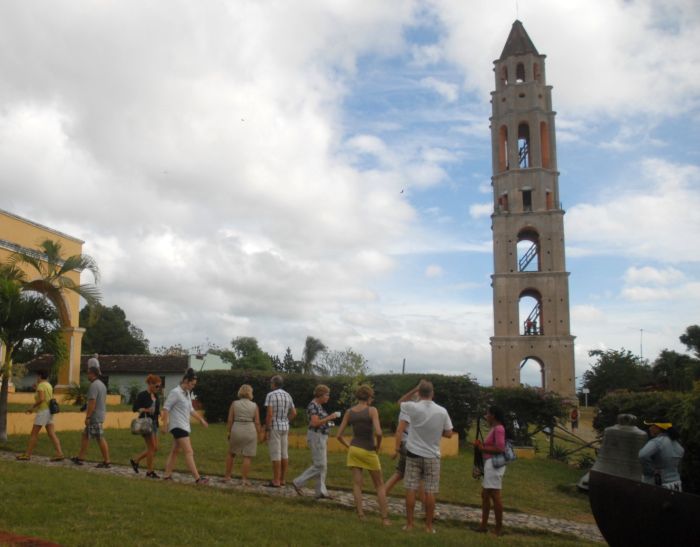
pixel 202 480
pixel 167 478
pixel 152 475
pixel 134 465
pixel 77 461
pixel 57 459
pixel 297 489
pixel 103 465
pixel 23 457
pixel 271 484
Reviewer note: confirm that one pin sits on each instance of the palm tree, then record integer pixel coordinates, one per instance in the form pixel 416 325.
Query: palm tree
pixel 312 347
pixel 23 317
pixel 53 271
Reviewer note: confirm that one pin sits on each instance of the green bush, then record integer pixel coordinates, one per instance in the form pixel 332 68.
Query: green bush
pixel 458 394
pixel 217 389
pixel 77 393
pixel 682 409
pixel 389 415
pixel 529 406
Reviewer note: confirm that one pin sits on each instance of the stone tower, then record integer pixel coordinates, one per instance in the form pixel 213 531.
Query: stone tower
pixel 530 281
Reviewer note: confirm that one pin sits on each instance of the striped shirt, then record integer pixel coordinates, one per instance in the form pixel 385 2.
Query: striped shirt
pixel 280 403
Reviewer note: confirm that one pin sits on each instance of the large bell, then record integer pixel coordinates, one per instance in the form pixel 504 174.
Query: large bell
pixel 619 451
pixel 630 512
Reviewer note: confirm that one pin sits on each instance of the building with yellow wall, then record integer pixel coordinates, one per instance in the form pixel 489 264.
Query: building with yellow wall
pixel 19 234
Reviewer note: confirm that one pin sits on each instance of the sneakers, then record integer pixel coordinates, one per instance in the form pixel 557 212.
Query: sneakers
pixel 134 465
pixel 152 475
pixel 103 465
pixel 77 461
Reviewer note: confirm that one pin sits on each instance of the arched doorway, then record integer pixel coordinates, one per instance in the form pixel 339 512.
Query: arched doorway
pixel 532 372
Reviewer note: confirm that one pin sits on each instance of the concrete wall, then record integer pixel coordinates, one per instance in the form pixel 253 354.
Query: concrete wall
pixel 17 233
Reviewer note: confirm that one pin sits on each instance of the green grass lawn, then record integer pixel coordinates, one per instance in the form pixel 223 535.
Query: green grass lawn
pixel 539 486
pixel 75 508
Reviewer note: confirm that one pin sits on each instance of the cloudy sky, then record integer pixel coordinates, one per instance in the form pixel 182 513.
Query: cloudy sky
pixel 283 169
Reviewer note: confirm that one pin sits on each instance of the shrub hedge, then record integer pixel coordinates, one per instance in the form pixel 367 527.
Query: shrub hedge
pixel 682 409
pixel 460 395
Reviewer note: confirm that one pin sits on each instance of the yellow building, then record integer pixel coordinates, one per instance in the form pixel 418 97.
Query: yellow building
pixel 20 234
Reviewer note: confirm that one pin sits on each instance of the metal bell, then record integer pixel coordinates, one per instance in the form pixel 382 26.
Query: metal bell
pixel 619 451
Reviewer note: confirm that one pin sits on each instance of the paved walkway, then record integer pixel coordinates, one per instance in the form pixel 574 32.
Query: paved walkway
pixel 445 511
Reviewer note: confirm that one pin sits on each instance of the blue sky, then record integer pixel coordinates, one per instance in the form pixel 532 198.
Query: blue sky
pixel 280 170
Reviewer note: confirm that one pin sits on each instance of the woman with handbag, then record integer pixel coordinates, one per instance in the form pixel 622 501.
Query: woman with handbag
pixel 492 448
pixel 147 404
pixel 44 418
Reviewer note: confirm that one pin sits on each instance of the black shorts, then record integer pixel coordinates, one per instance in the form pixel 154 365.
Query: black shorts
pixel 179 433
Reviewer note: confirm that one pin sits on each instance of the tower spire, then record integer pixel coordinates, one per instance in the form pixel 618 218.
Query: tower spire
pixel 518 42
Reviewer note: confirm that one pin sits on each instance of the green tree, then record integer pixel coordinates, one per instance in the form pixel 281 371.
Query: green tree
pixel 312 348
pixel 175 350
pixel 342 363
pixel 245 354
pixel 675 371
pixel 53 271
pixel 109 332
pixel 615 369
pixel 23 317
pixel 691 339
pixel 289 365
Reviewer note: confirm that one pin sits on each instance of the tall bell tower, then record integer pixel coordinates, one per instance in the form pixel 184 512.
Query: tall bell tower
pixel 530 282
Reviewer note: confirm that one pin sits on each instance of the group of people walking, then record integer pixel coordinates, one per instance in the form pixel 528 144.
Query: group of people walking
pixel 422 425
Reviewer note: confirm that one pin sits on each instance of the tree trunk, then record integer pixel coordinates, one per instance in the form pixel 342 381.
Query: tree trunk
pixel 4 389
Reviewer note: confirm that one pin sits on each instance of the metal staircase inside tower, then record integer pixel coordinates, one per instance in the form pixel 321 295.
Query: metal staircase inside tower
pixel 525 260
pixel 524 155
pixel 532 326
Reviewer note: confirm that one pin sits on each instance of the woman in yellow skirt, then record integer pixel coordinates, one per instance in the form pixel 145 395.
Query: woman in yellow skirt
pixel 363 450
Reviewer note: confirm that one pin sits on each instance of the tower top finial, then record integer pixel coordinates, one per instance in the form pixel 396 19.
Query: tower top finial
pixel 518 42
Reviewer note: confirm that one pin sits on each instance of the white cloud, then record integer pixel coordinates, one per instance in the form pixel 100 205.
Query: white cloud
pixel 446 90
pixel 651 214
pixel 433 270
pixel 653 276
pixel 481 210
pixel 619 58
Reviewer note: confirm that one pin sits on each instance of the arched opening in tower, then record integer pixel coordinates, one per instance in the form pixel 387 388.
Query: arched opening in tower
pixel 503 148
pixel 528 247
pixel 524 146
pixel 530 313
pixel 536 72
pixel 544 144
pixel 519 73
pixel 532 372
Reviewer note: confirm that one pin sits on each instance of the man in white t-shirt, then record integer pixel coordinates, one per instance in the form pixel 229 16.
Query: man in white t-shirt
pixel 429 423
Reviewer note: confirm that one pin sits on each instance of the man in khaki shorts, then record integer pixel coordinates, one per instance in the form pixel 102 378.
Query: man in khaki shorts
pixel 279 410
pixel 94 418
pixel 429 423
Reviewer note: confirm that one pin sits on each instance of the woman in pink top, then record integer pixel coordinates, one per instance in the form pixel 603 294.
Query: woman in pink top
pixel 495 443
